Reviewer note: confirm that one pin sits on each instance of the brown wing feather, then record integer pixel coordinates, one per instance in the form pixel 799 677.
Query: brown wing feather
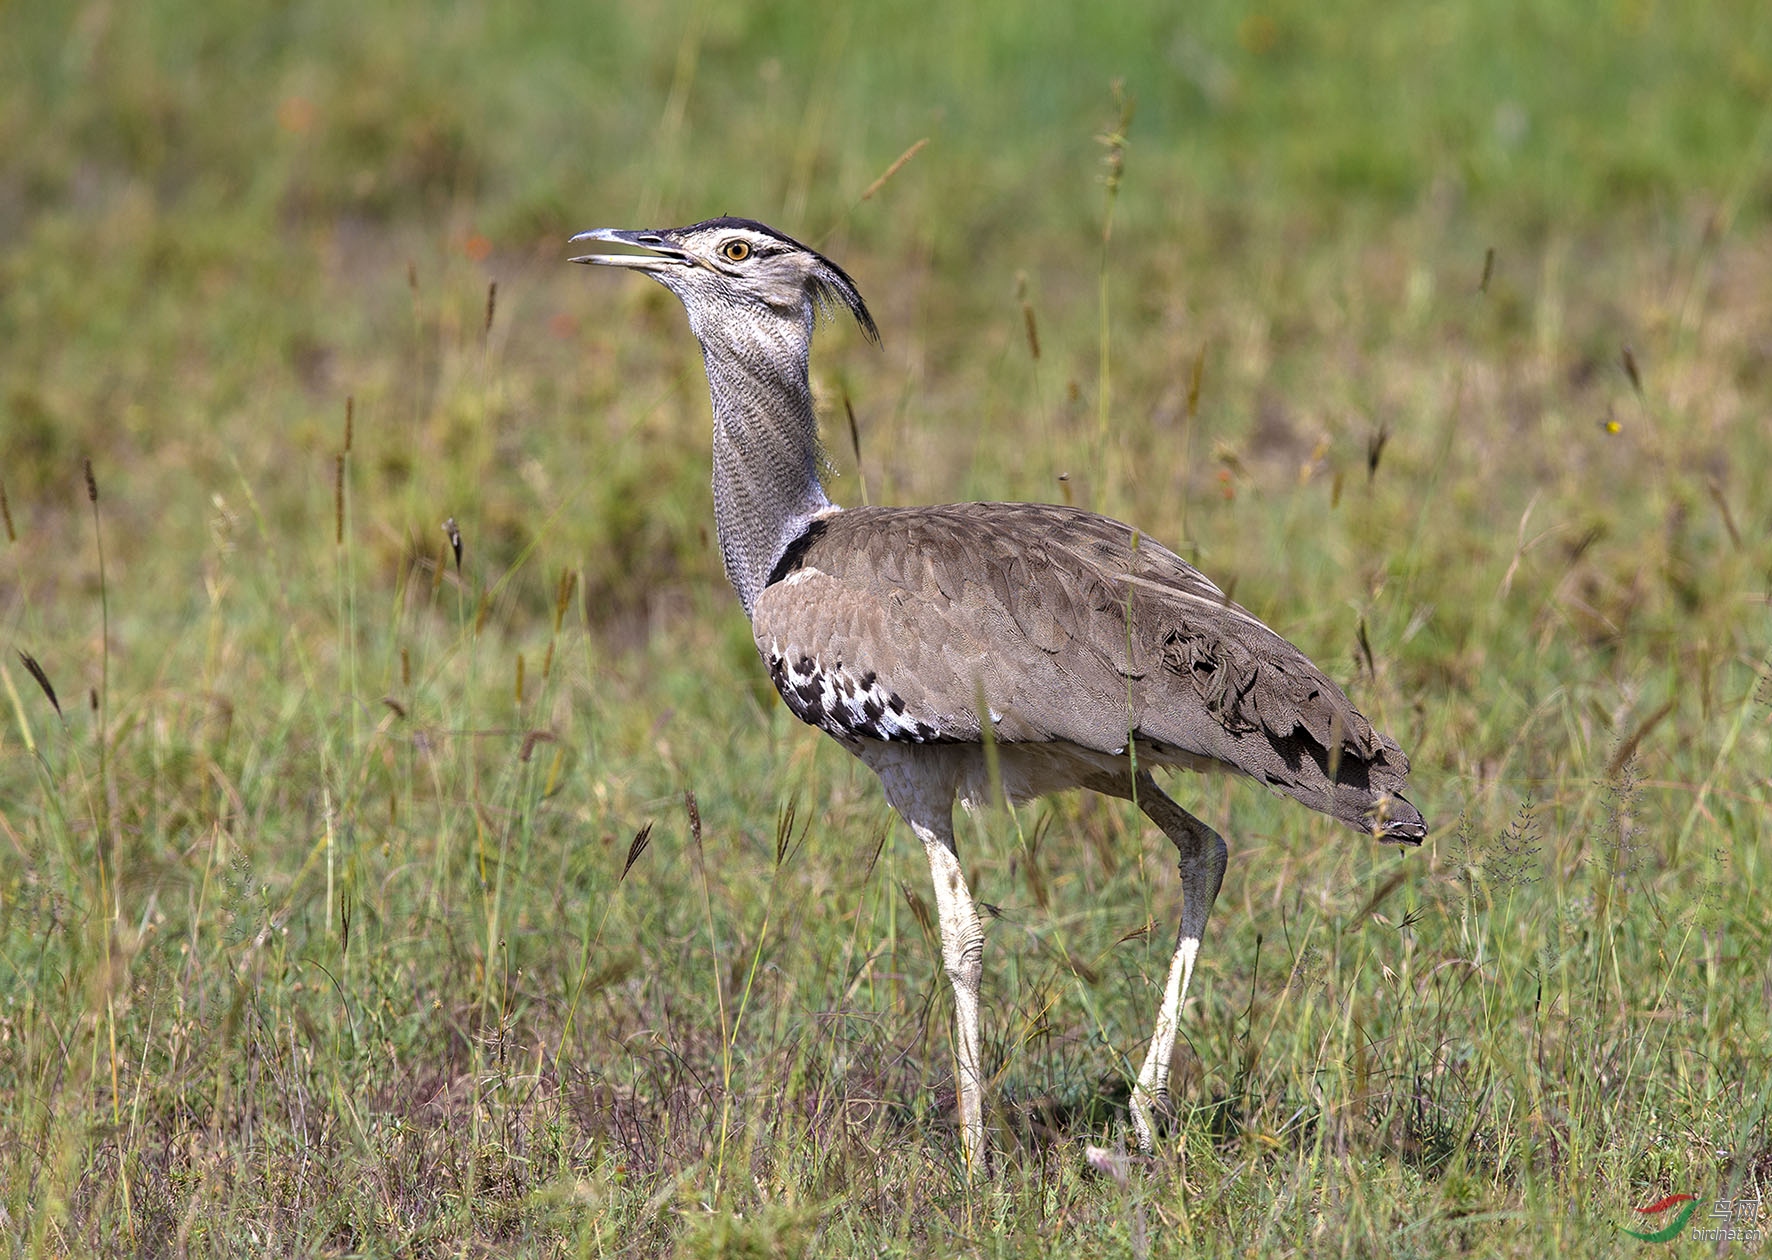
pixel 1066 626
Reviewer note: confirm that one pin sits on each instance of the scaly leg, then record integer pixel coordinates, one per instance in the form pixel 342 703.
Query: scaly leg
pixel 962 954
pixel 920 784
pixel 1203 858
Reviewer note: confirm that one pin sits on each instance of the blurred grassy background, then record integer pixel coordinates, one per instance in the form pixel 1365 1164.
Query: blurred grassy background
pixel 314 936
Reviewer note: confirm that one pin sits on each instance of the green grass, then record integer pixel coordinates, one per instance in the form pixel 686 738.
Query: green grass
pixel 318 929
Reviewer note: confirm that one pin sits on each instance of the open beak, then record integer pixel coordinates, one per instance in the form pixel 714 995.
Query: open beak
pixel 663 254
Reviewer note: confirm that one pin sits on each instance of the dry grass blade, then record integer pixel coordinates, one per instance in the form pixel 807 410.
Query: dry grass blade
pixel 42 678
pixel 787 844
pixel 1627 747
pixel 563 596
pixel 1715 489
pixel 1375 445
pixel 642 838
pixel 1083 971
pixel 855 445
pixel 6 514
pixel 1384 890
pixel 1140 933
pixel 854 430
pixel 1036 879
pixel 919 909
pixel 532 739
pixel 880 834
pixel 896 166
pixel 1027 314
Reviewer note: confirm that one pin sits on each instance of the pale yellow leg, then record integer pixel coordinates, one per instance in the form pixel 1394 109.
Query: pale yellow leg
pixel 962 955
pixel 1202 862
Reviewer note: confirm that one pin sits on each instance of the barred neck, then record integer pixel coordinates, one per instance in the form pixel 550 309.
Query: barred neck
pixel 766 486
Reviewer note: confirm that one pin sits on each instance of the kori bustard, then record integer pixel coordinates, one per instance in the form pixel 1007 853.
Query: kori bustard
pixel 917 637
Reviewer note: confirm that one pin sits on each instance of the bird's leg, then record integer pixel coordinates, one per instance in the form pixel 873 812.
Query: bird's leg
pixel 962 954
pixel 1202 864
pixel 921 784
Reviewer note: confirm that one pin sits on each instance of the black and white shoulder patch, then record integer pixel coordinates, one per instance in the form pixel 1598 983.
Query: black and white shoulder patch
pixel 842 701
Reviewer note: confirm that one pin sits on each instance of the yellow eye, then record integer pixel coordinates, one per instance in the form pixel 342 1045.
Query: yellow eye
pixel 736 251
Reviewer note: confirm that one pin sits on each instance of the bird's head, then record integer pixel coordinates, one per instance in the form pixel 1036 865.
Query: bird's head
pixel 737 276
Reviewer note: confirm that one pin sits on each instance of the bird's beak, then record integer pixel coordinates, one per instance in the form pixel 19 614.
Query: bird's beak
pixel 663 256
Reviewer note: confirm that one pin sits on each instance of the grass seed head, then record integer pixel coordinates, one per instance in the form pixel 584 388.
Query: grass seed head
pixel 892 170
pixel 453 533
pixel 36 671
pixel 694 812
pixel 642 838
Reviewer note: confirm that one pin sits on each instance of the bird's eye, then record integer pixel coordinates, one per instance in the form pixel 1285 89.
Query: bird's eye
pixel 736 251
